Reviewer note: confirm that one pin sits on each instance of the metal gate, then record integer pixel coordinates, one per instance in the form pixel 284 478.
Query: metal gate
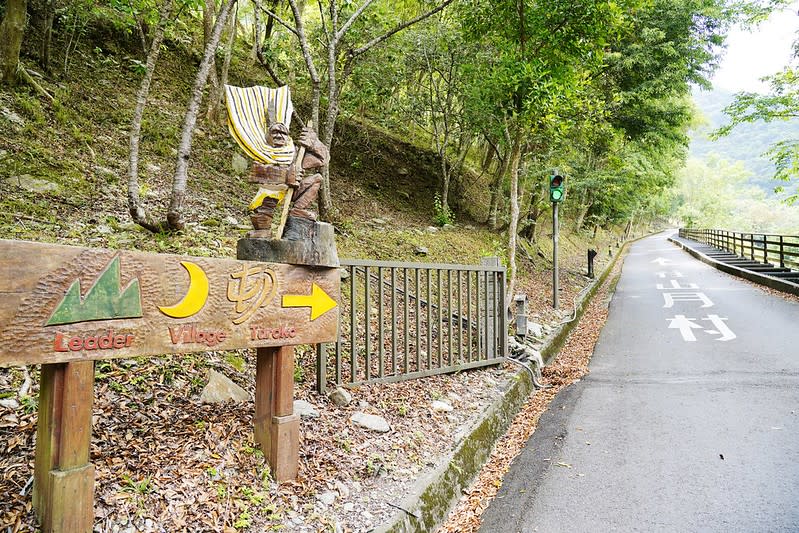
pixel 402 321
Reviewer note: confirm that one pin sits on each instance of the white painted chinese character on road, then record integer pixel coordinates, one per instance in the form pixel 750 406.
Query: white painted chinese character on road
pixel 687 325
pixel 671 297
pixel 674 274
pixel 676 285
pixel 721 328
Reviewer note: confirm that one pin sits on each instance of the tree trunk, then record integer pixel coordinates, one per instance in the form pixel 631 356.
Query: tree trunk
pixel 325 200
pixel 228 56
pixel 325 196
pixel 174 215
pixel 333 93
pixel 529 229
pixel 137 211
pixel 12 29
pixel 516 157
pixel 42 15
pixel 316 91
pixel 629 227
pixel 334 36
pixel 215 103
pixel 534 212
pixel 209 15
pixel 581 216
pixel 496 193
pixel 488 156
pixel 258 46
pixel 456 171
pixel 446 181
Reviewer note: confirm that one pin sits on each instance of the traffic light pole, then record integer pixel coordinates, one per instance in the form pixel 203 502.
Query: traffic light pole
pixel 555 255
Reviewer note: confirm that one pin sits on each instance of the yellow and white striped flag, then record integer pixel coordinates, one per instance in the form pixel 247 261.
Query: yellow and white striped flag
pixel 250 112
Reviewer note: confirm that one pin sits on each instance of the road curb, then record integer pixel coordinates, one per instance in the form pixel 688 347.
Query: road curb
pixel 432 497
pixel 754 277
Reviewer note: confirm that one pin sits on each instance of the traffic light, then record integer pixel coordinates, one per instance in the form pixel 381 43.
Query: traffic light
pixel 557 188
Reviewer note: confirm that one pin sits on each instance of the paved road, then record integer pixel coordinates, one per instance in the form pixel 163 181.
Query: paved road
pixel 692 366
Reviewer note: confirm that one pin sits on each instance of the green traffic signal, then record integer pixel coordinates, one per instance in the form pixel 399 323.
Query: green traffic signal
pixel 557 188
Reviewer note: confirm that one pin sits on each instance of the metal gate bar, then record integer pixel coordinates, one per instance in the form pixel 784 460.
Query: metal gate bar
pixel 461 318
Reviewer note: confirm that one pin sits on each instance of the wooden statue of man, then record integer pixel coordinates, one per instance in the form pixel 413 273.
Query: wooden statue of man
pixel 259 119
pixel 306 188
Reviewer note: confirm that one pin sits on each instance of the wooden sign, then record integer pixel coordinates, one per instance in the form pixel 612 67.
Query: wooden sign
pixel 64 303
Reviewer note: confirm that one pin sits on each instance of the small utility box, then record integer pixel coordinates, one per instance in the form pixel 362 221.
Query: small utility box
pixel 521 314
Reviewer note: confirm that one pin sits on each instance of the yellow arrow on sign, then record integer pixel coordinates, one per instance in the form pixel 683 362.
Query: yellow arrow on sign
pixel 319 301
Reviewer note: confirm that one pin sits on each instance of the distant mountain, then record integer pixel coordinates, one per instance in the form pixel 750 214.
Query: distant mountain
pixel 746 143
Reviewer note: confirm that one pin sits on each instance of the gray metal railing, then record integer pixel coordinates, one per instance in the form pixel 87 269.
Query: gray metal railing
pixel 779 249
pixel 402 321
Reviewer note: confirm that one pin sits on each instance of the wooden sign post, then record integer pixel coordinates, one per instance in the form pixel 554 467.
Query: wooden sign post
pixel 64 307
pixel 277 427
pixel 63 486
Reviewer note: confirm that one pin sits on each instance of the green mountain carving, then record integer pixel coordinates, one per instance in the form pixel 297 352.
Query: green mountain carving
pixel 105 300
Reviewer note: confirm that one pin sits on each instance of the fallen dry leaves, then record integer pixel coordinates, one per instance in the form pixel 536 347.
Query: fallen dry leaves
pixel 166 462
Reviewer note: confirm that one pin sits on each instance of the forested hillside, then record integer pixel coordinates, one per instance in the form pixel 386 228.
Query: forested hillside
pixel 500 92
pixel 747 143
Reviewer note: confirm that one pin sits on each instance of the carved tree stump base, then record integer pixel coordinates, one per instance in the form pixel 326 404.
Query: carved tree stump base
pixel 259 234
pixel 304 242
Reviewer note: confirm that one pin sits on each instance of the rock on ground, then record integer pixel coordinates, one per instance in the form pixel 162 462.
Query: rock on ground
pixel 341 397
pixel 221 389
pixel 441 407
pixel 372 422
pixel 305 409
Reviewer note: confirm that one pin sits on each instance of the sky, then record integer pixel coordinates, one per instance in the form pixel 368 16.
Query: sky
pixel 750 56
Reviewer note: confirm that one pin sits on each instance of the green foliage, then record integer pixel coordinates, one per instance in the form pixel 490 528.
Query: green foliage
pixel 140 487
pixel 235 360
pixel 31 106
pixel 243 521
pixel 748 142
pixel 30 404
pixel 299 373
pixel 781 104
pixel 137 67
pixel 442 214
pixel 715 194
pixel 785 155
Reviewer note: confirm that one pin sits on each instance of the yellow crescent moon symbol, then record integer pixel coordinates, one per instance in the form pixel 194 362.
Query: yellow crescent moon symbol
pixel 195 297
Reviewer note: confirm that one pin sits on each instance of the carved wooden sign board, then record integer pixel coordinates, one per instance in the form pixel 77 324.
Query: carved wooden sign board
pixel 65 303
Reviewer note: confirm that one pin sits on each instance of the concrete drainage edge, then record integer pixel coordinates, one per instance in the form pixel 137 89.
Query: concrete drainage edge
pixel 754 277
pixel 433 496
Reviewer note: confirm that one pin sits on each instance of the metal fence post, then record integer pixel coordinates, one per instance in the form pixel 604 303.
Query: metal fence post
pixel 782 253
pixel 321 368
pixel 491 303
pixel 477 304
